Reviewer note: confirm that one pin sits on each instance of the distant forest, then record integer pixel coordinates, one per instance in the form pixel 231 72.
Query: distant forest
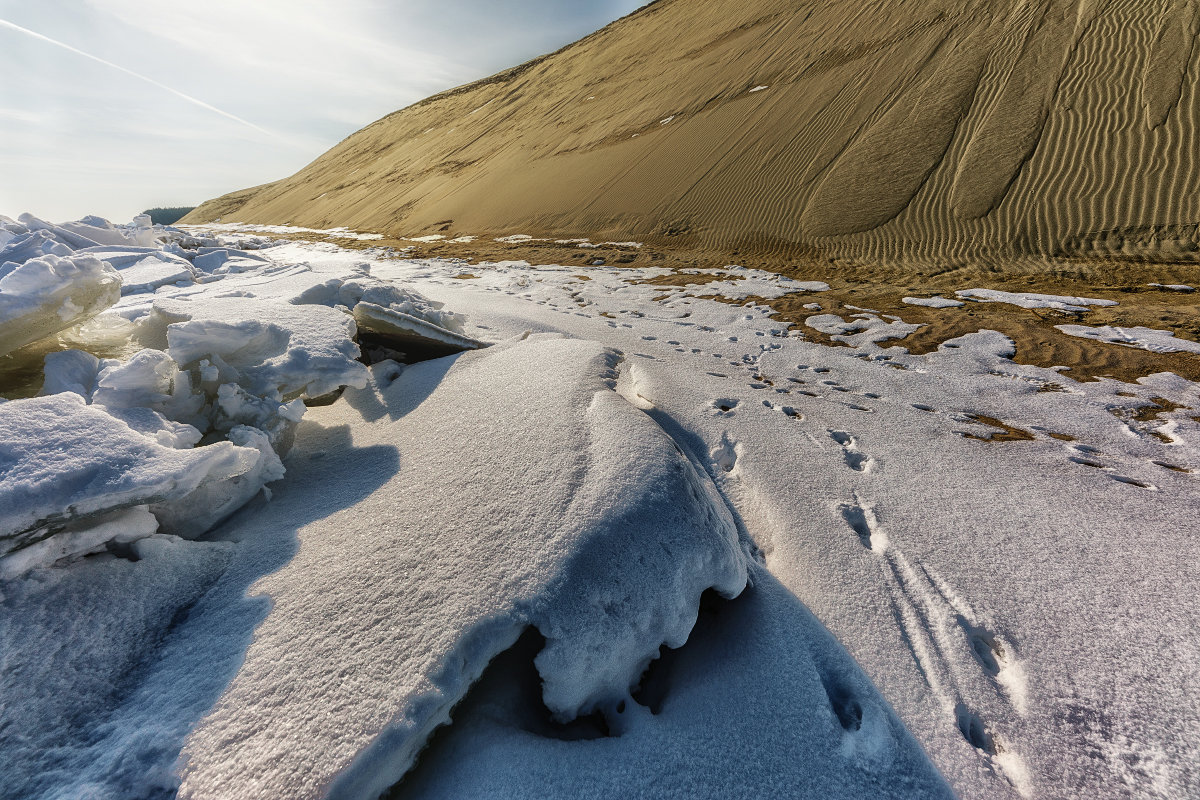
pixel 167 216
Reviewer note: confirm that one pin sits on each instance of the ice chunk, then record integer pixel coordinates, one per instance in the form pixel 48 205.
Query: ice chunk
pixel 70 238
pixel 585 520
pixel 98 230
pixel 89 536
pixel 34 244
pixel 145 380
pixel 225 260
pixel 265 346
pixel 408 333
pixel 236 407
pixel 198 511
pixel 63 460
pixel 71 371
pixel 349 292
pixel 152 272
pixel 124 256
pixel 45 295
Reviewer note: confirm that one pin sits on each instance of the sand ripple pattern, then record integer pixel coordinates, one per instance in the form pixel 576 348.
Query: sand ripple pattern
pixel 923 130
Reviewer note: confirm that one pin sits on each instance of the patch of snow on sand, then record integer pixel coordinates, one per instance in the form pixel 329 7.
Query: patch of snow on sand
pixel 283 230
pixel 932 302
pixel 1151 339
pixel 1028 300
pixel 861 329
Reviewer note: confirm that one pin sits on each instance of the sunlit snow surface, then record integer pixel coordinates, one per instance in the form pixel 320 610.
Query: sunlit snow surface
pixel 1025 606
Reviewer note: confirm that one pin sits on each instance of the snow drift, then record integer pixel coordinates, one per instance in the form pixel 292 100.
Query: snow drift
pixel 528 493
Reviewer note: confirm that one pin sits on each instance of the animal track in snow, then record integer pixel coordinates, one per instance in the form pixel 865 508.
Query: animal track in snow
pixel 855 458
pixel 861 519
pixel 788 411
pixel 1086 455
pixel 725 454
pixel 724 405
pixel 967 666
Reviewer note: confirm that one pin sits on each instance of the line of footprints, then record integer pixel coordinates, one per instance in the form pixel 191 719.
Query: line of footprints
pixel 968 667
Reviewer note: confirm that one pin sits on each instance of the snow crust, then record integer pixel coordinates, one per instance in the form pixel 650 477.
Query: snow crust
pixel 936 301
pixel 1156 341
pixel 603 537
pixel 1029 300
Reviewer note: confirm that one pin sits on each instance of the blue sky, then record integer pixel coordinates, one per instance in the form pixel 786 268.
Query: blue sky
pixel 134 103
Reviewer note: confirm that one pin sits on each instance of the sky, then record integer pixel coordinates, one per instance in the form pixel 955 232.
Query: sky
pixel 110 107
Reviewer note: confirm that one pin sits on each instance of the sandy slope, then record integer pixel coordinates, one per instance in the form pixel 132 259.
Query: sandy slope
pixel 922 129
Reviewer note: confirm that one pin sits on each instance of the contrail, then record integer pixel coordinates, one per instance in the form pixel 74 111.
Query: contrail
pixel 6 24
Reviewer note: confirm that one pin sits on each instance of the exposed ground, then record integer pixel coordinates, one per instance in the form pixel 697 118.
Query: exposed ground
pixel 880 287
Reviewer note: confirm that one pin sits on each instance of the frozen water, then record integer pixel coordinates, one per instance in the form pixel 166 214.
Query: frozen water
pixel 64 461
pixel 47 294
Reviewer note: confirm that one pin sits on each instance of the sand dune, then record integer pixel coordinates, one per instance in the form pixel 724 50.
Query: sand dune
pixel 922 130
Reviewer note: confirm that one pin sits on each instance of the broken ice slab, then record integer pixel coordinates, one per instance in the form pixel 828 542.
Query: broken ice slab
pixel 49 294
pixel 220 260
pixel 144 269
pixel 415 337
pixel 64 462
pixel 265 346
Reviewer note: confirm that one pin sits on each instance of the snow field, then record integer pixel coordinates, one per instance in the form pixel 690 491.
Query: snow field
pixel 997 546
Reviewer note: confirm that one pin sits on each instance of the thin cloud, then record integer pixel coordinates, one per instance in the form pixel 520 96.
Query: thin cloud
pixel 195 101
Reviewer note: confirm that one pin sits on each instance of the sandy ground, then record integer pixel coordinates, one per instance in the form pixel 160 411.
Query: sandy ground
pixel 880 287
pixel 923 131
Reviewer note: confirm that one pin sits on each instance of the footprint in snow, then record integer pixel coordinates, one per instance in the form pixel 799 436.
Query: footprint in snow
pixel 724 406
pixel 855 458
pixel 725 454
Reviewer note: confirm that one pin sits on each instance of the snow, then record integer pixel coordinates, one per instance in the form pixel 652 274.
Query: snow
pixel 954 574
pixel 1155 341
pixel 64 672
pixel 603 538
pixel 1028 300
pixel 758 89
pixel 861 329
pixel 933 302
pixel 1174 287
pixel 66 463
